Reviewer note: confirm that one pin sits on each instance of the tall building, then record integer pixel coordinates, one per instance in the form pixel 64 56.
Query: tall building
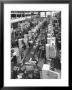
pixel 50 51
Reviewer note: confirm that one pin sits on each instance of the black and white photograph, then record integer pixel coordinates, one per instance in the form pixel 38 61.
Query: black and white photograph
pixel 36 44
